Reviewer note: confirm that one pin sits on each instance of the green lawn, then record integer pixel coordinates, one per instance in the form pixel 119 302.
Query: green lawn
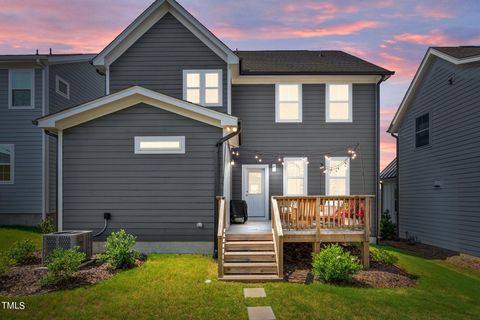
pixel 173 287
pixel 8 236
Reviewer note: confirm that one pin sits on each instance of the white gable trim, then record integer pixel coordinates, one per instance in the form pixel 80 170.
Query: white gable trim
pixel 431 54
pixel 130 97
pixel 151 16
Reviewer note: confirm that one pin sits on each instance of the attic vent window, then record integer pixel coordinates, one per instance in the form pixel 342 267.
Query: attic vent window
pixel 62 87
pixel 160 145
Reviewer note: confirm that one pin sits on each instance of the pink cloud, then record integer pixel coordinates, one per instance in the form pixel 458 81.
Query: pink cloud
pixel 388 147
pixel 235 33
pixel 404 68
pixel 434 37
pixel 432 12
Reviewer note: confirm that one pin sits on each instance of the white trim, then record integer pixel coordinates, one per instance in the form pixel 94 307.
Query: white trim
pixel 57 87
pixel 327 103
pixel 431 53
pixel 12 164
pixel 32 95
pixel 107 81
pixel 327 174
pixel 44 150
pixel 202 86
pixel 300 103
pixel 130 97
pixel 305 173
pixel 266 181
pixel 147 19
pixel 60 181
pixel 229 90
pixel 139 139
pixel 304 79
pixel 227 180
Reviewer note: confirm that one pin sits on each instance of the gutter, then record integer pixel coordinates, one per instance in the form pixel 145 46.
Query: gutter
pixel 397 192
pixel 218 157
pixel 377 143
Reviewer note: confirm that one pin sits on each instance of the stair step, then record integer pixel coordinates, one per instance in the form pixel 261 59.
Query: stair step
pixel 250 268
pixel 252 256
pixel 249 245
pixel 249 237
pixel 251 277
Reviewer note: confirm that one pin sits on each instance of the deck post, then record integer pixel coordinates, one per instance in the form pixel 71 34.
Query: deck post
pixel 365 250
pixel 316 246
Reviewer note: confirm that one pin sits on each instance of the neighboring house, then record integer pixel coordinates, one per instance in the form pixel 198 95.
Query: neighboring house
pixel 186 119
pixel 388 182
pixel 32 86
pixel 439 148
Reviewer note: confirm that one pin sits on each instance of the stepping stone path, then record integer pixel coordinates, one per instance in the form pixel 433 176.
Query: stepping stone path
pixel 258 313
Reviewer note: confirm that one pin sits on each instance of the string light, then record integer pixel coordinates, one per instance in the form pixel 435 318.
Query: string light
pixel 232 162
pixel 256 157
pixel 260 160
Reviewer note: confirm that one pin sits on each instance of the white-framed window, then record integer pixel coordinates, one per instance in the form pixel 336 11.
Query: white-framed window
pixel 203 87
pixel 337 177
pixel 62 87
pixel 295 173
pixel 288 103
pixel 338 103
pixel 160 145
pixel 21 88
pixel 7 154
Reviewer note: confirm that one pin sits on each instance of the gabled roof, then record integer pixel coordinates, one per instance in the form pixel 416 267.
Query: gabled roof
pixel 455 55
pixel 390 170
pixel 151 16
pixel 127 98
pixel 306 62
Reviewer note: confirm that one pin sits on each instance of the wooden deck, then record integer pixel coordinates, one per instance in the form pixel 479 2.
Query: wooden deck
pixel 254 251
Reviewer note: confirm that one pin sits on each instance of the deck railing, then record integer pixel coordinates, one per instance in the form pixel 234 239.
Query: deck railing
pixel 325 212
pixel 221 233
pixel 277 231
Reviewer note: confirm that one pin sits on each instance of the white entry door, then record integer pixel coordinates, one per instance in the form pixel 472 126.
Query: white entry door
pixel 255 190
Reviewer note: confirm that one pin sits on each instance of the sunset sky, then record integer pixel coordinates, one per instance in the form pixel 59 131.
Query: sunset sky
pixel 392 34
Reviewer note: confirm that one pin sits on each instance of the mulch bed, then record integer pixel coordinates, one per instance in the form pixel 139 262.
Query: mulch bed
pixel 24 280
pixel 298 260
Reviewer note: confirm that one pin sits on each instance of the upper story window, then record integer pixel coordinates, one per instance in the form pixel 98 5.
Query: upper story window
pixel 20 89
pixel 6 163
pixel 203 87
pixel 337 176
pixel 295 172
pixel 338 103
pixel 288 103
pixel 62 87
pixel 160 145
pixel 422 130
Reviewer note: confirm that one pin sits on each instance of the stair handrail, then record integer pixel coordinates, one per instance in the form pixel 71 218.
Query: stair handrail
pixel 221 233
pixel 277 231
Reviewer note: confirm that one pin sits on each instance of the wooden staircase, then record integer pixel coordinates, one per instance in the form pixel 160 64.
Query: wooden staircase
pixel 249 257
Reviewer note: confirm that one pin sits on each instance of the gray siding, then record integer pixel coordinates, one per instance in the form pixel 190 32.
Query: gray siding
pixel 155 197
pixel 255 105
pixel 85 85
pixel 449 216
pixel 157 59
pixel 24 197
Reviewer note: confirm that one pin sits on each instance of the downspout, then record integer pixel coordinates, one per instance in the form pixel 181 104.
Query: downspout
pixel 397 192
pixel 218 157
pixel 377 160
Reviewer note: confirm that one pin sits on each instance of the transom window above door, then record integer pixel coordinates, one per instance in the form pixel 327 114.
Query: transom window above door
pixel 288 103
pixel 203 87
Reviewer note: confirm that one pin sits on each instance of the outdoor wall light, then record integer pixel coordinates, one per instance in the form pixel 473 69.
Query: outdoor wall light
pixel 274 168
pixel 199 225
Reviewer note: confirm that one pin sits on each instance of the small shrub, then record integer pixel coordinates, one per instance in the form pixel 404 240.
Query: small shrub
pixel 383 256
pixel 387 227
pixel 47 225
pixel 62 264
pixel 6 263
pixel 119 251
pixel 333 264
pixel 22 251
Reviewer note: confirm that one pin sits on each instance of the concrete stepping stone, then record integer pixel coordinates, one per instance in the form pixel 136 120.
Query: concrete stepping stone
pixel 254 293
pixel 260 313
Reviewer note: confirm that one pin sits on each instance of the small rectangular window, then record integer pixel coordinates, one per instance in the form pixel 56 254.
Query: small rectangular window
pixel 422 131
pixel 6 163
pixel 338 103
pixel 20 91
pixel 203 87
pixel 337 177
pixel 295 172
pixel 160 145
pixel 288 103
pixel 62 87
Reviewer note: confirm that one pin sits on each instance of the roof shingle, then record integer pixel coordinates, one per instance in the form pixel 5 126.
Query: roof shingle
pixel 461 52
pixel 390 170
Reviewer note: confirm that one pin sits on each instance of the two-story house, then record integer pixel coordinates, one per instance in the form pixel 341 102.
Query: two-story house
pixel 186 119
pixel 32 86
pixel 438 147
